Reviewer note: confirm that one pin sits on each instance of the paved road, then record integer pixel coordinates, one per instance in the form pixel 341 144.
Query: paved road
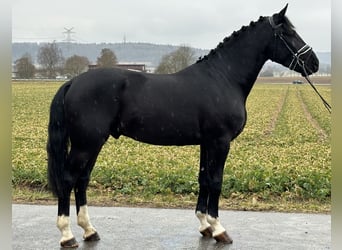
pixel 34 227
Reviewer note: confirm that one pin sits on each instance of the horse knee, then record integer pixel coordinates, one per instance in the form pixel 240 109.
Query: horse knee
pixel 215 187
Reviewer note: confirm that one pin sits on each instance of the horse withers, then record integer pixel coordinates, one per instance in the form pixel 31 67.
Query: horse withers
pixel 203 104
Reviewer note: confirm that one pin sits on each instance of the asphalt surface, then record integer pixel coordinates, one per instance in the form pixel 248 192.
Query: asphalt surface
pixel 34 227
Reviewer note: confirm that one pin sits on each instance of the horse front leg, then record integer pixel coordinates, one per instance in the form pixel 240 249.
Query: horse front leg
pixel 213 155
pixel 205 228
pixel 202 203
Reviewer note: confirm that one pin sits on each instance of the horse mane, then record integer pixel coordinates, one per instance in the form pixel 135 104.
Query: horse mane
pixel 229 39
pixel 288 26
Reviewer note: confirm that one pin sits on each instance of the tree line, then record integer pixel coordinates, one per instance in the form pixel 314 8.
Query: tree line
pixel 53 64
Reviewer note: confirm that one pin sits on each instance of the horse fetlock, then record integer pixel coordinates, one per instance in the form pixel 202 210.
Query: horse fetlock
pixel 216 225
pixel 219 233
pixel 205 228
pixel 84 222
pixel 63 224
pixel 207 232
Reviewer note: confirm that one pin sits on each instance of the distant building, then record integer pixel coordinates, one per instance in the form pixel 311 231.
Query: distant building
pixel 140 67
pixel 132 66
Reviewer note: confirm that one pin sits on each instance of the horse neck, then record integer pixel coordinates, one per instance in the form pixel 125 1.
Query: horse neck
pixel 239 60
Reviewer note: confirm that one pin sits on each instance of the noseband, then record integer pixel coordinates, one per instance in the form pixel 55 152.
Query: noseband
pixel 296 56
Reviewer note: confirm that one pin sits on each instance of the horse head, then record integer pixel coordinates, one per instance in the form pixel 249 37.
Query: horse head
pixel 288 48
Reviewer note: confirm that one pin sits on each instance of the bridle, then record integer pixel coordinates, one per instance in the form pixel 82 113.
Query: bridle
pixel 296 57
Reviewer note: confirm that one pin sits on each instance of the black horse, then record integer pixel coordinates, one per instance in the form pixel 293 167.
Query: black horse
pixel 204 104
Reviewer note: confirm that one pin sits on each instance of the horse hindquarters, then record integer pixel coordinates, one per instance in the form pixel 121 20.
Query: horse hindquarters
pixel 79 164
pixel 60 183
pixel 68 170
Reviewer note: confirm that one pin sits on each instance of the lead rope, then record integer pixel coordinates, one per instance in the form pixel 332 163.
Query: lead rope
pixel 326 104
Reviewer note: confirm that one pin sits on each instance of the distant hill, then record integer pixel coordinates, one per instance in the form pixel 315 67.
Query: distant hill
pixel 148 53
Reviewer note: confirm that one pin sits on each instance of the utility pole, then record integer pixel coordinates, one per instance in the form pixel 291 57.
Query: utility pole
pixel 68 39
pixel 68 33
pixel 124 39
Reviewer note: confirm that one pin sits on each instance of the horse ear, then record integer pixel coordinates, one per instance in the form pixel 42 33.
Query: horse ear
pixel 278 18
pixel 283 11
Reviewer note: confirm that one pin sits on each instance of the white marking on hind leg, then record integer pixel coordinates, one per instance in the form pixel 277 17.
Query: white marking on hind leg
pixel 203 220
pixel 63 224
pixel 84 221
pixel 216 225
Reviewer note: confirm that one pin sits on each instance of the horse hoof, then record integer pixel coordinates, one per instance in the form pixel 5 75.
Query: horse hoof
pixel 224 238
pixel 208 232
pixel 72 243
pixel 93 237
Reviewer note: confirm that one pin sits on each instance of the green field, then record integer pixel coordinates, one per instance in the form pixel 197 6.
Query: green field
pixel 281 161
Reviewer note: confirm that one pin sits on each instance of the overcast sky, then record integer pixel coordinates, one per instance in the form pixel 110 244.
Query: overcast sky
pixel 197 23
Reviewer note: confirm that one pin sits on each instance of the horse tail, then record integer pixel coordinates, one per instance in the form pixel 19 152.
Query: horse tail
pixel 58 141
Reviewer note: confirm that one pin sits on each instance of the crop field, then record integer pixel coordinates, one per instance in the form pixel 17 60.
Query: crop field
pixel 283 154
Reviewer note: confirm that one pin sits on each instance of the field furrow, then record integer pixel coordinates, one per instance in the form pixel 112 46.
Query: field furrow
pixel 322 134
pixel 271 127
pixel 263 107
pixel 316 107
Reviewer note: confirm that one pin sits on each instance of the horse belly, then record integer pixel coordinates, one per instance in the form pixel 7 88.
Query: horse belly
pixel 161 130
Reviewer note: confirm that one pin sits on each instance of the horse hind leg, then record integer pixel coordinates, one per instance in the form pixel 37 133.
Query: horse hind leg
pixel 63 215
pixel 83 219
pixel 80 163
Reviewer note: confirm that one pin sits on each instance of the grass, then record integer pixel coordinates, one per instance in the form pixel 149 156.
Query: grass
pixel 280 162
